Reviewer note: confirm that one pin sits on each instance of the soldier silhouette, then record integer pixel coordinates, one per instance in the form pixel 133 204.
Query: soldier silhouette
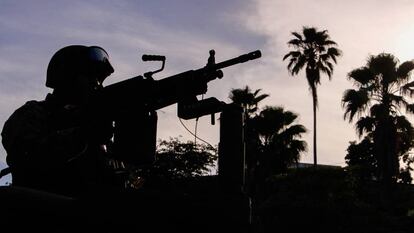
pixel 59 144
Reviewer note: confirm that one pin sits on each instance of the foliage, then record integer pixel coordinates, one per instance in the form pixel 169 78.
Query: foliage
pixel 382 91
pixel 316 52
pixel 176 159
pixel 272 139
pixel 361 160
pixel 280 144
pixel 247 99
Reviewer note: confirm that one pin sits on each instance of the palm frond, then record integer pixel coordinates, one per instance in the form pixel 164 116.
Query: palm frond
pixel 261 97
pixel 325 69
pixel 297 35
pixel 403 124
pixel 334 53
pixel 289 117
pixel 405 69
pixel 298 146
pixel 293 54
pixel 329 42
pixel 397 100
pixel 365 125
pixel 292 132
pixel 292 62
pixel 384 64
pixel 324 57
pixel 310 34
pixel 295 42
pixel 407 89
pixel 354 101
pixel 361 76
pixel 253 109
pixel 298 65
pixel 257 91
pixel 410 108
pixel 330 65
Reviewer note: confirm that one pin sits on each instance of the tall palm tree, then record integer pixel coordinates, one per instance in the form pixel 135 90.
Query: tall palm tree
pixel 382 88
pixel 280 138
pixel 315 51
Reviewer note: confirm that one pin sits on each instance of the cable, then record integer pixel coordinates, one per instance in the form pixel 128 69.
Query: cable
pixel 185 127
pixel 195 131
pixel 196 125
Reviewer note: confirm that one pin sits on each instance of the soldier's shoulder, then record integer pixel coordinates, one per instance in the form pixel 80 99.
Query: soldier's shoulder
pixel 31 105
pixel 29 109
pixel 25 115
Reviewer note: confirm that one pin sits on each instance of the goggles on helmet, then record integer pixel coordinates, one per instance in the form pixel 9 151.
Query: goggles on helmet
pixel 99 60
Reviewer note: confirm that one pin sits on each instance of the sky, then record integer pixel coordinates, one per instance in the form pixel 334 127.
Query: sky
pixel 184 31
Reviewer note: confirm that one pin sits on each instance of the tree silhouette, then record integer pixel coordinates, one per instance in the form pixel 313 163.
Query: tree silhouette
pixel 247 99
pixel 177 159
pixel 382 88
pixel 280 139
pixel 361 160
pixel 315 51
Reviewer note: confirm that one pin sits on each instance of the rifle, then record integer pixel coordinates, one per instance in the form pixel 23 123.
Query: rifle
pixel 149 94
pixel 132 104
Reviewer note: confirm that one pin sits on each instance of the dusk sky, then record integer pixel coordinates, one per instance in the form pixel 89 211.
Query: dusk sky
pixel 184 31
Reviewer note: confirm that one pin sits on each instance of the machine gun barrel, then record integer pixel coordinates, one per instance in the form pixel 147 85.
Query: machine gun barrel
pixel 213 71
pixel 240 59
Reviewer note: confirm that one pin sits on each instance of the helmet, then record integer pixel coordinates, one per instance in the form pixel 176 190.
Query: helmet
pixel 77 60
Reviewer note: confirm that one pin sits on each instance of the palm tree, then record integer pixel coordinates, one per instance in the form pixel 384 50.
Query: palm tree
pixel 382 88
pixel 280 138
pixel 315 51
pixel 247 99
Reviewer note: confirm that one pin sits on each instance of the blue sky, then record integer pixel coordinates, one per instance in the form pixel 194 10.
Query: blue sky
pixel 184 31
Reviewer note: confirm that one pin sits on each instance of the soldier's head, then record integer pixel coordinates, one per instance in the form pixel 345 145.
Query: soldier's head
pixel 78 70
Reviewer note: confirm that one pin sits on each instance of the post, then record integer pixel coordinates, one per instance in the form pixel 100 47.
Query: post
pixel 231 161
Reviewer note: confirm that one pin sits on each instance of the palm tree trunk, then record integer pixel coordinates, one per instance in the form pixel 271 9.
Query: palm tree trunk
pixel 315 156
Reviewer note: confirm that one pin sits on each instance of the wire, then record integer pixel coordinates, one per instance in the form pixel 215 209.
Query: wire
pixel 196 125
pixel 185 127
pixel 195 131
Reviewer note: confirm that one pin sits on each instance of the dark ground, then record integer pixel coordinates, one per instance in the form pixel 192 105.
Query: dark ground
pixel 331 200
pixel 304 200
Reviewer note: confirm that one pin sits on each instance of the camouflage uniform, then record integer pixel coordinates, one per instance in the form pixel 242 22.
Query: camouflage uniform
pixel 47 148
